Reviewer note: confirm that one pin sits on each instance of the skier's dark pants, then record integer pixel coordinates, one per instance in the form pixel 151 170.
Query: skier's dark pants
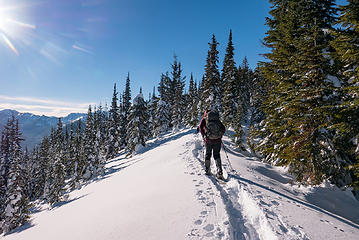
pixel 216 147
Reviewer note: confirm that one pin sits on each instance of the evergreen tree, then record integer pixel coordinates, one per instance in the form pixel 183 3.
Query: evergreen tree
pixel 90 151
pixel 230 86
pixel 70 152
pixel 258 93
pixel 114 127
pixel 32 167
pixel 347 47
pixel 301 98
pixel 257 115
pixel 26 171
pixel 243 114
pixel 162 120
pixel 41 166
pixel 152 110
pixel 212 84
pixel 4 164
pixel 56 187
pixel 67 154
pixel 100 142
pixel 192 104
pixel 201 101
pixel 176 94
pixel 79 158
pixel 245 76
pixel 137 130
pixel 16 204
pixel 125 111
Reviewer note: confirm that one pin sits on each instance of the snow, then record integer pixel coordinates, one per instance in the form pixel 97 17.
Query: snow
pixel 162 193
pixel 137 98
pixel 333 80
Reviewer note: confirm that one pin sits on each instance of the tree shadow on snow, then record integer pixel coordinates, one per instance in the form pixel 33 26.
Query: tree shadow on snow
pixel 117 158
pixel 299 201
pixel 34 210
pixel 60 204
pixel 116 168
pixel 21 228
pixel 266 171
pixel 165 138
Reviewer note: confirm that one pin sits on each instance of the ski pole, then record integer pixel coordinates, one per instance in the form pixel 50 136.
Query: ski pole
pixel 232 169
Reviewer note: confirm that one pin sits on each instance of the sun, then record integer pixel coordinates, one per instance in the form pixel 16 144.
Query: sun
pixel 11 28
pixel 4 16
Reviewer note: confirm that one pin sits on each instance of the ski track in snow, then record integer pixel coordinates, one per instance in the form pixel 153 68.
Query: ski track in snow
pixel 233 210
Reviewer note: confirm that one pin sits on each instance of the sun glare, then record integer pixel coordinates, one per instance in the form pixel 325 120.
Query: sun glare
pixel 3 20
pixel 11 28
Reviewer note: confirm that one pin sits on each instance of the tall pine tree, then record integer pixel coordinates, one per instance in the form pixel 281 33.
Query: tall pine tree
pixel 212 84
pixel 114 127
pixel 176 93
pixel 125 111
pixel 230 86
pixel 16 205
pixel 347 47
pixel 162 120
pixel 137 130
pixel 301 94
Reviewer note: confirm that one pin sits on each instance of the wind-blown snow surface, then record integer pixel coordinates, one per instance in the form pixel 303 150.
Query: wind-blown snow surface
pixel 162 193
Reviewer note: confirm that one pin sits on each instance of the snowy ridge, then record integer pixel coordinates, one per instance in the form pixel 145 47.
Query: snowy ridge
pixel 162 193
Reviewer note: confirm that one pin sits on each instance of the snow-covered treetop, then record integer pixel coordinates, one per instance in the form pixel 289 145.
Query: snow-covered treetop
pixel 137 98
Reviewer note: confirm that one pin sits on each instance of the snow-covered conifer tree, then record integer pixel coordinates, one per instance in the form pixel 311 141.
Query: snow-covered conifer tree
pixel 191 117
pixel 4 164
pixel 125 111
pixel 56 186
pixel 152 111
pixel 162 120
pixel 100 142
pixel 90 151
pixel 177 87
pixel 230 86
pixel 79 157
pixel 137 130
pixel 41 166
pixel 16 204
pixel 113 141
pixel 303 91
pixel 212 84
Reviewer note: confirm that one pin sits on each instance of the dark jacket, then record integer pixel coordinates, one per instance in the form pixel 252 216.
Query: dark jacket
pixel 203 129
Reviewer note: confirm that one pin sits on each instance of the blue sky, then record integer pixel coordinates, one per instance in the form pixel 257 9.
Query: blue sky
pixel 57 56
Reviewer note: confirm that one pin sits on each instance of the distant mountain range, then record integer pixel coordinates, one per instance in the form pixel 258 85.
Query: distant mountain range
pixel 35 127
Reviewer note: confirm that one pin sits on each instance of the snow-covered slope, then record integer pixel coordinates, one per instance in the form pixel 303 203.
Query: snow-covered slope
pixel 162 193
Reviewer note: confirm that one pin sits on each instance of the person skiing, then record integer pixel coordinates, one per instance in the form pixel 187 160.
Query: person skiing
pixel 212 131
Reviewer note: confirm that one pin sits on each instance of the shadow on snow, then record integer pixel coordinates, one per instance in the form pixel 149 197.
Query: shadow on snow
pixel 299 201
pixel 239 230
pixel 165 138
pixel 21 228
pixel 60 204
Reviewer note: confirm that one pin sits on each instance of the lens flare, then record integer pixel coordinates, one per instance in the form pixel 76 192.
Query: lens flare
pixel 9 43
pixel 21 24
pixel 82 49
